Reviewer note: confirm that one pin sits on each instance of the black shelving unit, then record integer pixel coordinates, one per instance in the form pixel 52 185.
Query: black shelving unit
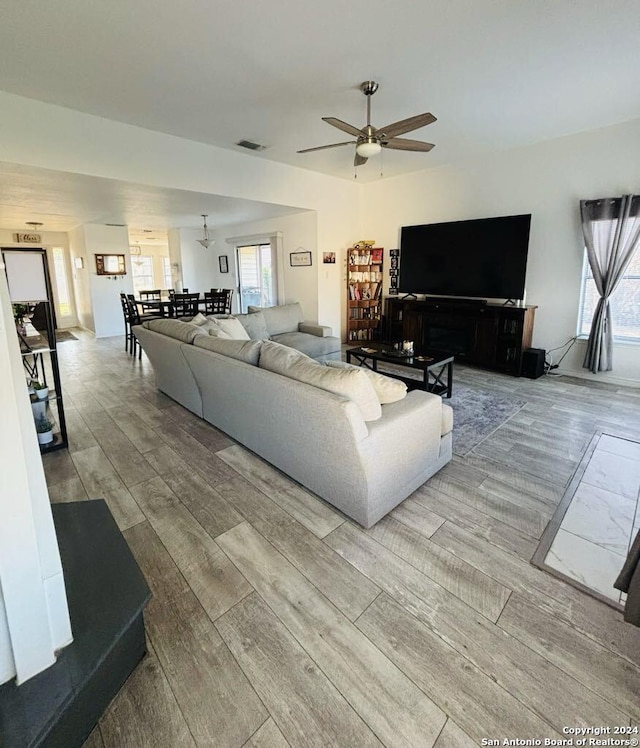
pixel 38 347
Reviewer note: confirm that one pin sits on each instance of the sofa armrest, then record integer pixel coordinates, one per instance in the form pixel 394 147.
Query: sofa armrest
pixel 312 328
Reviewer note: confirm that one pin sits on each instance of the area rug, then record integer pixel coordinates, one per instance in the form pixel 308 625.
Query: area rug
pixel 477 413
pixel 588 538
pixel 64 335
pixel 38 340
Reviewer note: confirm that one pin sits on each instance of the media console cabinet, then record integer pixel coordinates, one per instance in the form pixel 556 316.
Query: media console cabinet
pixel 493 336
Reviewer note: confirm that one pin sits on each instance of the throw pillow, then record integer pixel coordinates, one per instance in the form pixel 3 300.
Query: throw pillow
pixel 242 350
pixel 350 383
pixel 233 328
pixel 199 319
pixel 388 389
pixel 255 325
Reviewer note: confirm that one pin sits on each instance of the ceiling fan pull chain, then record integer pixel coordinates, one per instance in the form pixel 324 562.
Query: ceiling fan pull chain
pixel 382 163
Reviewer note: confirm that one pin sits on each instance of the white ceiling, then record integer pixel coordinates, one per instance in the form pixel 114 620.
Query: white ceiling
pixel 497 74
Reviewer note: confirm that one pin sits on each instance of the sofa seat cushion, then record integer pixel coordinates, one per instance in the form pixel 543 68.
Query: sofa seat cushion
pixel 283 318
pixel 310 344
pixel 388 389
pixel 242 350
pixel 185 332
pixel 255 325
pixel 350 383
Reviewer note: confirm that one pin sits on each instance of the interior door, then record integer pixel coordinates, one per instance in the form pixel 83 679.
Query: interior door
pixel 257 284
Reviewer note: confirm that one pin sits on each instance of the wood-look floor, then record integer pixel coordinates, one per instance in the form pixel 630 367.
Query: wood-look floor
pixel 275 621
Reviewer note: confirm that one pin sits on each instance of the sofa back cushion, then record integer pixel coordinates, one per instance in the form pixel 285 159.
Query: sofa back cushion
pixel 231 327
pixel 388 389
pixel 350 383
pixel 185 332
pixel 255 325
pixel 283 318
pixel 242 350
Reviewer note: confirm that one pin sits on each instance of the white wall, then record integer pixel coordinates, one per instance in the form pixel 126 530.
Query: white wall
pixel 81 279
pixel 97 296
pixel 299 231
pixel 34 619
pixel 547 180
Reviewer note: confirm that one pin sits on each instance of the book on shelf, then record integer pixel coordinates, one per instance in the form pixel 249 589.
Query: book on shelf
pixel 376 256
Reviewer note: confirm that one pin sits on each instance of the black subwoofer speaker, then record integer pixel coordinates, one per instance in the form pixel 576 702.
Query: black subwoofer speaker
pixel 533 363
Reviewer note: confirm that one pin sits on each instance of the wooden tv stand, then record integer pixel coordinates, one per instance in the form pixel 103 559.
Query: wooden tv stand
pixel 493 336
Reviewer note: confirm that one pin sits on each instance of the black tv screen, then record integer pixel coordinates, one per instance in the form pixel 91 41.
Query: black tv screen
pixel 482 258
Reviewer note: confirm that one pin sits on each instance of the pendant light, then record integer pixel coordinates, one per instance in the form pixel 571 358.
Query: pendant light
pixel 206 242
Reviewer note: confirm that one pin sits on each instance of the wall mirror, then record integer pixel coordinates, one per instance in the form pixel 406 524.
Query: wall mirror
pixel 110 265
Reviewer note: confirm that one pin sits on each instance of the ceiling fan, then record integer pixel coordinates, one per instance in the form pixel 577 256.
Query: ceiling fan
pixel 370 140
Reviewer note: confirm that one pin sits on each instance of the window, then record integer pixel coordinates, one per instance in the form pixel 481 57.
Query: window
pixel 65 308
pixel 625 302
pixel 166 272
pixel 142 272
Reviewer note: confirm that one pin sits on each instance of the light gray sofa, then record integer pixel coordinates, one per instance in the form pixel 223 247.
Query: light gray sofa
pixel 317 437
pixel 284 324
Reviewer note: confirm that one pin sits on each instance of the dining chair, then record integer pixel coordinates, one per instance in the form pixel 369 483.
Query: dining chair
pixel 154 295
pixel 185 304
pixel 131 317
pixel 218 301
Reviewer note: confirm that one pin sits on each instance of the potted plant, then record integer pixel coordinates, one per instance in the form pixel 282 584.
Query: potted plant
pixel 20 311
pixel 39 407
pixel 41 390
pixel 44 429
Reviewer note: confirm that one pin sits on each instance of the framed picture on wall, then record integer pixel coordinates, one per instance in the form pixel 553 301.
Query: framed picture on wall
pixel 300 259
pixel 224 263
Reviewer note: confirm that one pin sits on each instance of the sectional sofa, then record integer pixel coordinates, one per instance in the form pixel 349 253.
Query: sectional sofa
pixel 356 443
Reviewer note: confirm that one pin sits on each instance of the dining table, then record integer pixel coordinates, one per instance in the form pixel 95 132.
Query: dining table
pixel 164 305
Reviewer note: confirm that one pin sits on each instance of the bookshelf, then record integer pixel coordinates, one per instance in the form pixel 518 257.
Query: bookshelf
pixel 364 294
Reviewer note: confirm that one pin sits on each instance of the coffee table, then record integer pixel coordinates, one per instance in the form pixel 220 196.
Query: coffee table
pixel 436 366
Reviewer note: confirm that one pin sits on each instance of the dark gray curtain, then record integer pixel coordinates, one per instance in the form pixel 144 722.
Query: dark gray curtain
pixel 611 229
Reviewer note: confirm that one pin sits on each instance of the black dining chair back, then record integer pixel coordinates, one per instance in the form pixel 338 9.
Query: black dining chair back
pixel 185 304
pixel 149 296
pixel 218 301
pixel 131 317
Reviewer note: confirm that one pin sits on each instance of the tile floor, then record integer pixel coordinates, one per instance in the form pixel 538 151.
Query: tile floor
pixel 602 519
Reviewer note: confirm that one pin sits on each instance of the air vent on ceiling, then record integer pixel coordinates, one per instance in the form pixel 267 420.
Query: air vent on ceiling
pixel 250 145
pixel 119 225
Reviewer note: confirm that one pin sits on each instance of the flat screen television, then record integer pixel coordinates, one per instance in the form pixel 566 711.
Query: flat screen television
pixel 480 258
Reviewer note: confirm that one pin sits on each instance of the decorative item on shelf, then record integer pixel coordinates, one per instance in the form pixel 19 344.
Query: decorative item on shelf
pixel 20 312
pixel 300 258
pixel 206 241
pixel 44 429
pixel 38 407
pixel 394 257
pixel 41 390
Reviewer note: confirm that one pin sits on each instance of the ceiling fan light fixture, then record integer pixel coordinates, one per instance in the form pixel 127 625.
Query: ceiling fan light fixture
pixel 206 242
pixel 368 148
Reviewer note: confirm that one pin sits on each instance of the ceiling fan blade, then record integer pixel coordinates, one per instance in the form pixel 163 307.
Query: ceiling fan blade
pixel 406 125
pixel 322 147
pixel 404 144
pixel 359 160
pixel 344 126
